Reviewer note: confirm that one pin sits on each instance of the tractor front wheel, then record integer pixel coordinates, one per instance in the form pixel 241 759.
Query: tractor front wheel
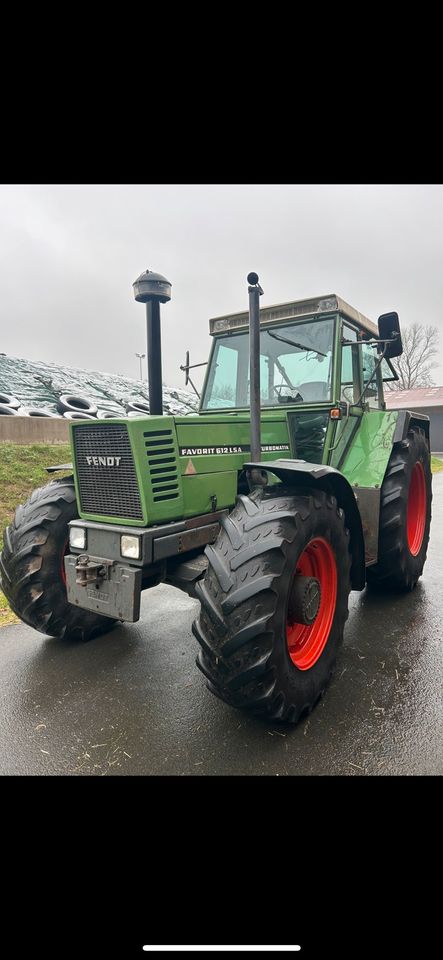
pixel 32 573
pixel 274 602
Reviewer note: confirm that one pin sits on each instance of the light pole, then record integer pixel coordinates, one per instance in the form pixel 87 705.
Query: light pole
pixel 140 356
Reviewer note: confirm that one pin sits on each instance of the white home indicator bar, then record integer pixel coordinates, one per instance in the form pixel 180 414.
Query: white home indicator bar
pixel 200 948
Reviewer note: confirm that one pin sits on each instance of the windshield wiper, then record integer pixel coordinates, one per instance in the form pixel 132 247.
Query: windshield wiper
pixel 293 343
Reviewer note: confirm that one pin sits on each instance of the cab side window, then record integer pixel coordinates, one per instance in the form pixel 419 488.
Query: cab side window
pixel 349 389
pixel 370 358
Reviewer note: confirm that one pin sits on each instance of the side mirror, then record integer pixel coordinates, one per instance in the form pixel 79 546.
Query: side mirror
pixel 389 328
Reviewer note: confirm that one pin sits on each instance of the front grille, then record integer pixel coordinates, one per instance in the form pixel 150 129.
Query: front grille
pixel 162 463
pixel 106 489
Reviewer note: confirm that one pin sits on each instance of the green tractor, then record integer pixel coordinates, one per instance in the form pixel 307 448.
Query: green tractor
pixel 292 486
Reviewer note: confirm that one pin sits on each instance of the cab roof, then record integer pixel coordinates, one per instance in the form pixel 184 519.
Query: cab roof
pixel 295 309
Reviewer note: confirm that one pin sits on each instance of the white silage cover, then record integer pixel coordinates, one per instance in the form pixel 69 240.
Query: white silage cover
pixel 38 384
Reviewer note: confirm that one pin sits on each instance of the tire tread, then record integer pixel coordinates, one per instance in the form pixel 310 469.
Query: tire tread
pixel 240 599
pixel 29 560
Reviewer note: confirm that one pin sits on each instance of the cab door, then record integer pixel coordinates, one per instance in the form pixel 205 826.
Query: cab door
pixel 350 390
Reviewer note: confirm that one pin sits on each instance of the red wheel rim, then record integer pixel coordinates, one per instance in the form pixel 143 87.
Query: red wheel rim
pixel 306 643
pixel 416 515
pixel 62 561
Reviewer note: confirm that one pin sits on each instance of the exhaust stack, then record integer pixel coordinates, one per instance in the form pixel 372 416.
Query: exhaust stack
pixel 255 291
pixel 153 289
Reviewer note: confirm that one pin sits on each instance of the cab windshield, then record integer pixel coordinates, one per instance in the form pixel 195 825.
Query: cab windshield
pixel 295 366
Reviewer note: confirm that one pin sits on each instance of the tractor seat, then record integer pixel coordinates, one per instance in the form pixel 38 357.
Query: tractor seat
pixel 314 390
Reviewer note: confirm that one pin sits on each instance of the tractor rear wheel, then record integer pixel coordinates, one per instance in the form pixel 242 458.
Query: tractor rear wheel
pixel 32 573
pixel 405 516
pixel 274 602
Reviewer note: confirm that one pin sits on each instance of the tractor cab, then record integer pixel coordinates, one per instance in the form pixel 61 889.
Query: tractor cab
pixel 319 363
pixel 311 352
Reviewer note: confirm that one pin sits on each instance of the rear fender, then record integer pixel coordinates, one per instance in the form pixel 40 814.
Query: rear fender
pixel 407 419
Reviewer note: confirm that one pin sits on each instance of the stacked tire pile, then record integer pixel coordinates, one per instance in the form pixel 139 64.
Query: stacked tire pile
pixel 76 408
pixel 70 407
pixel 81 408
pixel 9 406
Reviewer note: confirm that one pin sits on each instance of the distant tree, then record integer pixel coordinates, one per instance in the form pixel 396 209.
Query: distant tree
pixel 420 345
pixel 225 392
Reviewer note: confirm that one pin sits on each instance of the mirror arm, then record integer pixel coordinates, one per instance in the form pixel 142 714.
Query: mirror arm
pixel 372 342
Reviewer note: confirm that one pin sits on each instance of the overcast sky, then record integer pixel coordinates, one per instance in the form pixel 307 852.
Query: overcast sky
pixel 69 255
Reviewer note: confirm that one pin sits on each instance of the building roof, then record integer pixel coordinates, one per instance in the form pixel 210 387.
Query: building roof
pixel 295 310
pixel 410 399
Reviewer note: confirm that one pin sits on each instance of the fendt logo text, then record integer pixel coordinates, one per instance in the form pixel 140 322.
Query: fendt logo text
pixel 103 461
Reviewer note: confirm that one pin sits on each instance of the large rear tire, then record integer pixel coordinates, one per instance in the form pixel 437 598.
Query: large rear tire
pixel 405 516
pixel 257 651
pixel 32 574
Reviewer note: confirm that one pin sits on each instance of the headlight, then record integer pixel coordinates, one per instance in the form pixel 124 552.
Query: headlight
pixel 130 547
pixel 77 537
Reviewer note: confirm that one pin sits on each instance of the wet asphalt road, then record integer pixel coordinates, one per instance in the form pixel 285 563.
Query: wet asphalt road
pixel 135 703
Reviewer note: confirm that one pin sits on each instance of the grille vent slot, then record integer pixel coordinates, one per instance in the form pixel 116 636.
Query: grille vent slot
pixel 162 464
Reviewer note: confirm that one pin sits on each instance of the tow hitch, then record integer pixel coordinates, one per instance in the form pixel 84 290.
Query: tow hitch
pixel 104 586
pixel 91 571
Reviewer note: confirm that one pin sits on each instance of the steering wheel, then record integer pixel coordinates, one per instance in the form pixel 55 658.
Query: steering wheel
pixel 293 398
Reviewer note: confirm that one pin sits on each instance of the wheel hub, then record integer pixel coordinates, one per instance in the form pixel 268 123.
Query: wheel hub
pixel 305 599
pixel 311 604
